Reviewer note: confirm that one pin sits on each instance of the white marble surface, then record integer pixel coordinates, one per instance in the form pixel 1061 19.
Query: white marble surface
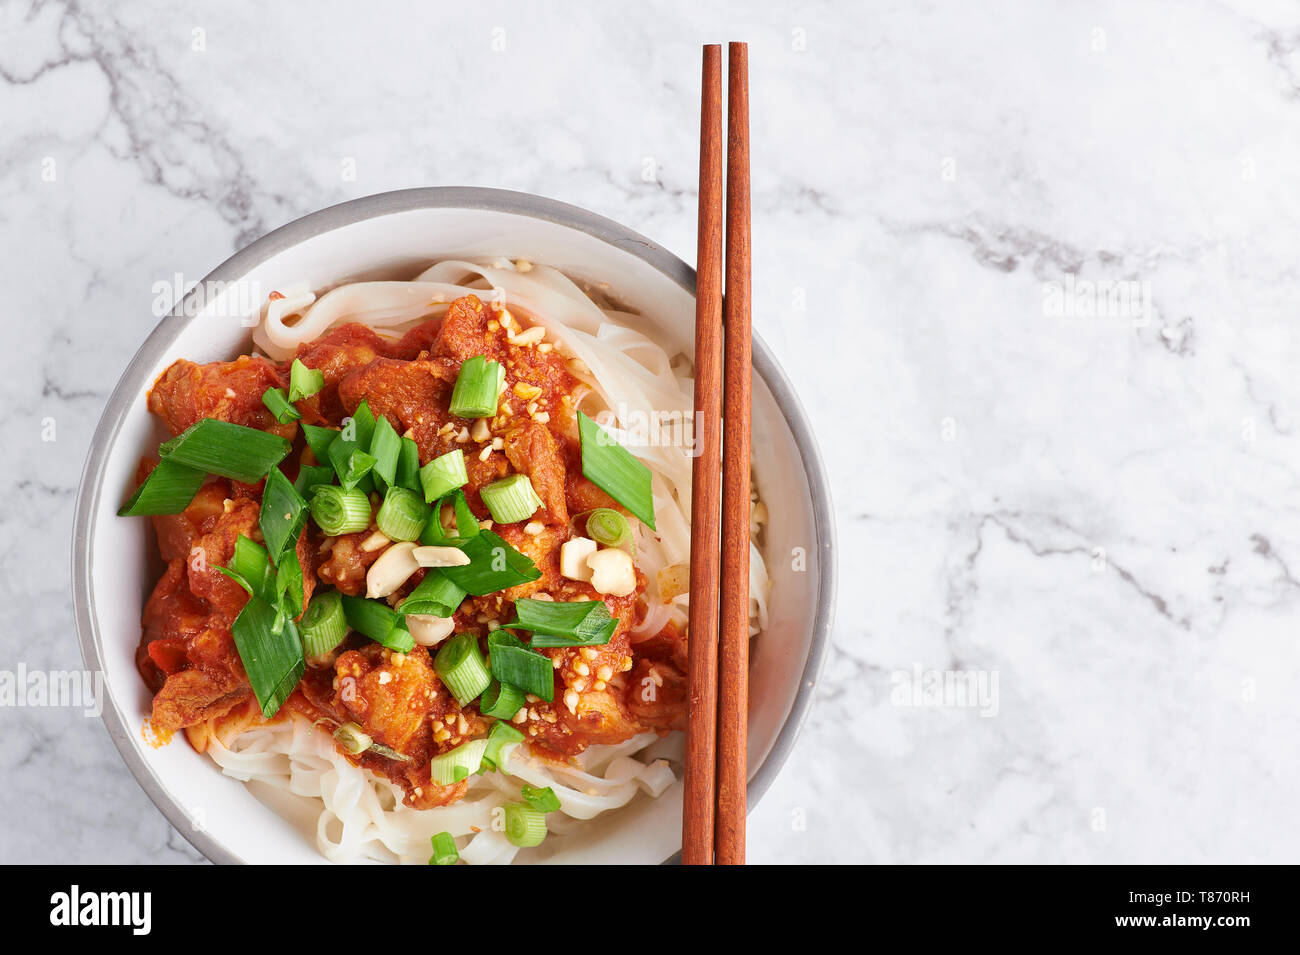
pixel 1099 512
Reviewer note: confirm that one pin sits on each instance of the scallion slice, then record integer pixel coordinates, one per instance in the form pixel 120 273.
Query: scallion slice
pixel 251 568
pixel 444 850
pixel 494 565
pixel 303 381
pixel 466 523
pixel 319 440
pixel 350 451
pixel 499 737
pixel 388 752
pixel 402 515
pixel 231 450
pixel 385 448
pixel 559 623
pixel 501 700
pixel 168 489
pixel 288 583
pixel 337 511
pixel 607 526
pixel 541 799
pixel 324 625
pixel 379 622
pixel 359 427
pixel 352 739
pixel 278 404
pixel 615 471
pixel 312 476
pixel 436 595
pixel 525 826
pixel 350 463
pixel 477 388
pixel 456 764
pixel 273 661
pixel 443 475
pixel 408 466
pixel 283 514
pixel 597 639
pixel 460 666
pixel 514 663
pixel 511 499
pixel 400 639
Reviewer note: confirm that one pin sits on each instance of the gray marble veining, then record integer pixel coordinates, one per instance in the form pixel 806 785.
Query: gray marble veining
pixel 1077 494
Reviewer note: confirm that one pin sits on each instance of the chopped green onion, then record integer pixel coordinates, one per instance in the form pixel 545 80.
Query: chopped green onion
pixel 511 499
pixel 614 470
pixel 303 381
pixel 477 388
pixel 273 661
pixel 558 623
pixel 387 752
pixel 400 639
pixel 350 463
pixel 278 405
pixel 283 515
pixel 352 739
pixel 385 448
pixel 541 799
pixel 288 583
pixel 311 476
pixel 525 826
pixel 324 625
pixel 444 850
pixel 597 639
pixel 443 475
pixel 337 511
pixel 231 450
pixel 514 663
pixel 319 440
pixel 501 700
pixel 359 427
pixel 251 568
pixel 607 526
pixel 402 515
pixel 408 466
pixel 457 764
pixel 466 523
pixel 494 565
pixel 501 735
pixel 379 622
pixel 168 489
pixel 435 595
pixel 460 665
pixel 349 453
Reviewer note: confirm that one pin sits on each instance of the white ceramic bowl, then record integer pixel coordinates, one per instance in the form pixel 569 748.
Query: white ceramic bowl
pixel 394 235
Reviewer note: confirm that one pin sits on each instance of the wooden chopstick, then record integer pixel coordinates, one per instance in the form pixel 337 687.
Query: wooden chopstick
pixel 733 652
pixel 706 483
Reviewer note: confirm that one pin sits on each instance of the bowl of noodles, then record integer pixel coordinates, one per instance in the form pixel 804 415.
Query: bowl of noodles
pixel 404 560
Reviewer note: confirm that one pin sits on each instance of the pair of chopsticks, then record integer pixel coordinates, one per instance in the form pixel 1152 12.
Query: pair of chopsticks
pixel 713 819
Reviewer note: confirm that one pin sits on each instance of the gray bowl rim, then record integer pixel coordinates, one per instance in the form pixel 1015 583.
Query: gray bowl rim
pixel 133 383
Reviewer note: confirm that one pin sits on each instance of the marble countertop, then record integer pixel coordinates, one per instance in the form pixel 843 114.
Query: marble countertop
pixel 1031 266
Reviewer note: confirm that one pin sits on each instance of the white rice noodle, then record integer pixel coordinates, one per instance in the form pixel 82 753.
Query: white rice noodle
pixel 633 383
pixel 362 817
